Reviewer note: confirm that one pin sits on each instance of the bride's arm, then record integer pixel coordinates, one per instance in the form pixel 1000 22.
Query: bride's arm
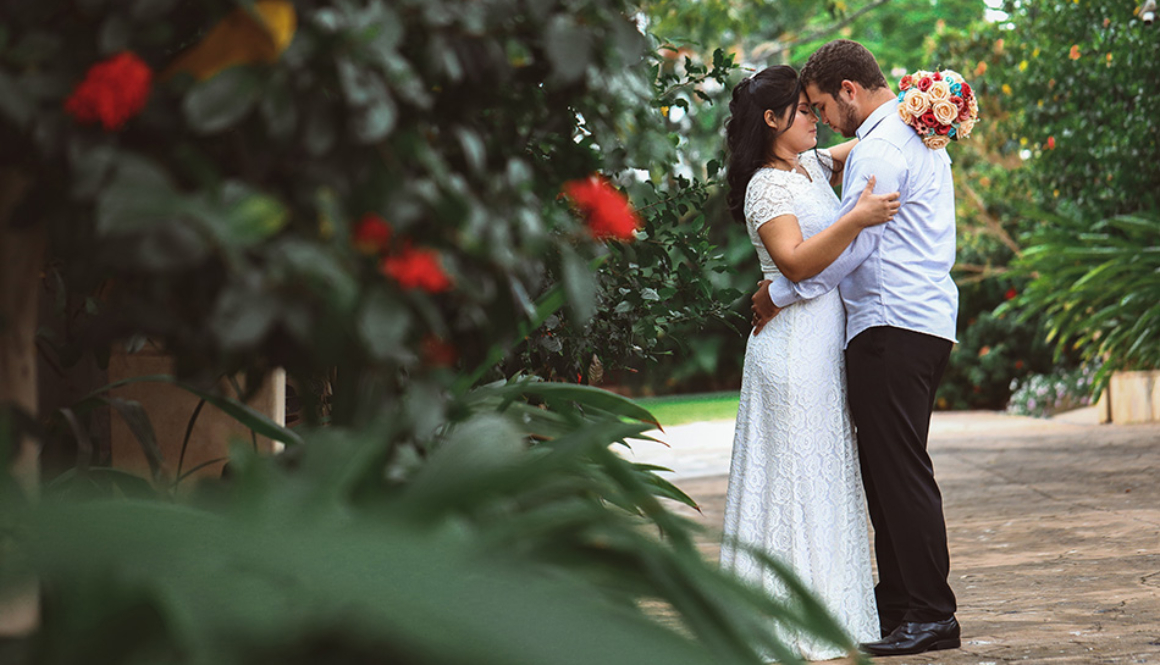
pixel 840 152
pixel 800 259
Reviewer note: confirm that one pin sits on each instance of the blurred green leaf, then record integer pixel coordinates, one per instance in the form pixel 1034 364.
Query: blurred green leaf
pixel 580 287
pixel 138 421
pixel 139 195
pixel 569 49
pixel 222 100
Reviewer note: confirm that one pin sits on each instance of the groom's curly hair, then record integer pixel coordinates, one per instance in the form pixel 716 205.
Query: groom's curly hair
pixel 839 60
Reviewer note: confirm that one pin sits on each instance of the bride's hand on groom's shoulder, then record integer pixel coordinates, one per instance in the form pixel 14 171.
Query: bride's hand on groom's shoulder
pixel 763 308
pixel 873 209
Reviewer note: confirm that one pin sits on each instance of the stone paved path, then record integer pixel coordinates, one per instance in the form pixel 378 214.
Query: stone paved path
pixel 1054 530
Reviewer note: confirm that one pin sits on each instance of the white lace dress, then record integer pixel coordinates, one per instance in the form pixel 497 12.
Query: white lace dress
pixel 795 489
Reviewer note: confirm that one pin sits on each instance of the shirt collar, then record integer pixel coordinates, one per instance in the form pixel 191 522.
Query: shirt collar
pixel 876 117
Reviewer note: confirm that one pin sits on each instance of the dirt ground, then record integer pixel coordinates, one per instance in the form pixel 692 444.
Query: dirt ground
pixel 1054 532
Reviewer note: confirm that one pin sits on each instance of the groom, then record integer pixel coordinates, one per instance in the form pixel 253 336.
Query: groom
pixel 901 305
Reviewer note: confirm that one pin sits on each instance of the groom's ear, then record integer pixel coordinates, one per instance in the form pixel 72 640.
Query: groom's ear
pixel 851 88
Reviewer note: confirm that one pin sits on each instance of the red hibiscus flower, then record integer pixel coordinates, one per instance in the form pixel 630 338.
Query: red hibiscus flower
pixel 906 82
pixel 114 90
pixel 1051 143
pixel 924 83
pixel 608 212
pixel 416 269
pixel 372 234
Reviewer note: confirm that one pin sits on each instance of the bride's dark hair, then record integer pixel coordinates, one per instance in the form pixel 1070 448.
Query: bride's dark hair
pixel 748 139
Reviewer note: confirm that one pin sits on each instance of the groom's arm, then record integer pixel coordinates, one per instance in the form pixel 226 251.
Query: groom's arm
pixel 875 157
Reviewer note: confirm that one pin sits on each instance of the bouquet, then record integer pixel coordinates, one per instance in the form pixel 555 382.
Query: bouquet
pixel 940 106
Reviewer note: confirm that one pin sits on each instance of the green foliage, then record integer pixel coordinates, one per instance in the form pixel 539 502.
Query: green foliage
pixel 1080 74
pixel 900 33
pixel 733 24
pixel 521 538
pixel 1098 293
pixel 435 515
pixel 1064 93
pixel 653 295
pixel 222 214
pixel 992 352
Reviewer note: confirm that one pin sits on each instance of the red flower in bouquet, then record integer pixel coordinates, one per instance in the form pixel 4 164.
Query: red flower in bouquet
pixel 906 83
pixel 924 83
pixel 608 213
pixel 113 91
pixel 416 269
pixel 929 120
pixel 372 234
pixel 964 108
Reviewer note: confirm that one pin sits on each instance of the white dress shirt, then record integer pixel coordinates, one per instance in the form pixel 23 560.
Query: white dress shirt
pixel 895 274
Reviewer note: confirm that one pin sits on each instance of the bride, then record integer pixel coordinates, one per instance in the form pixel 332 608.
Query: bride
pixel 795 490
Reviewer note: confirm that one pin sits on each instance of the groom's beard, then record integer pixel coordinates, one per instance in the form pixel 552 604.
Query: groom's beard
pixel 848 119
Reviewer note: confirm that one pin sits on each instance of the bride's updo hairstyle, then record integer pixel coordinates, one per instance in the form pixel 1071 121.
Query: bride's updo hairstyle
pixel 748 139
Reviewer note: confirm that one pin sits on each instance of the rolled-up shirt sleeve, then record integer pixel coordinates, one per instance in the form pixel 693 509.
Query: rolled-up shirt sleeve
pixel 875 157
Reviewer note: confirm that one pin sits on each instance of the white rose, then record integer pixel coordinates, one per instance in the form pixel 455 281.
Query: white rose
pixel 945 111
pixel 939 90
pixel 916 102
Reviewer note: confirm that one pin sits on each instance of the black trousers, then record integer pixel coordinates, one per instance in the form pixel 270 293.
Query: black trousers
pixel 892 375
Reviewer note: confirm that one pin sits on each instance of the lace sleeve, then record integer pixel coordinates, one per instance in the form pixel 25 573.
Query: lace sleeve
pixel 826 161
pixel 765 200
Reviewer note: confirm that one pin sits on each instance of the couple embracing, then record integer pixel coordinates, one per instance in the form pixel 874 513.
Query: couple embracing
pixel 853 327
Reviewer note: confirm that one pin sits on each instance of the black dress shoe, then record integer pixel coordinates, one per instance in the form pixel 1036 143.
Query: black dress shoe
pixel 887 627
pixel 913 637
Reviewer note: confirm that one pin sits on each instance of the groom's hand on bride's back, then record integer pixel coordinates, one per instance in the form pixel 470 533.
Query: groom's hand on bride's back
pixel 763 308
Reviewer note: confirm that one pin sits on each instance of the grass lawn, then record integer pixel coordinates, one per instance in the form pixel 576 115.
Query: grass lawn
pixel 682 409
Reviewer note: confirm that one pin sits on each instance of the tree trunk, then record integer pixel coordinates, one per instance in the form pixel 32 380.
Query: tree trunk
pixel 21 258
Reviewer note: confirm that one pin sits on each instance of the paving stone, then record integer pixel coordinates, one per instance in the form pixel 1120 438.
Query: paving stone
pixel 1053 526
